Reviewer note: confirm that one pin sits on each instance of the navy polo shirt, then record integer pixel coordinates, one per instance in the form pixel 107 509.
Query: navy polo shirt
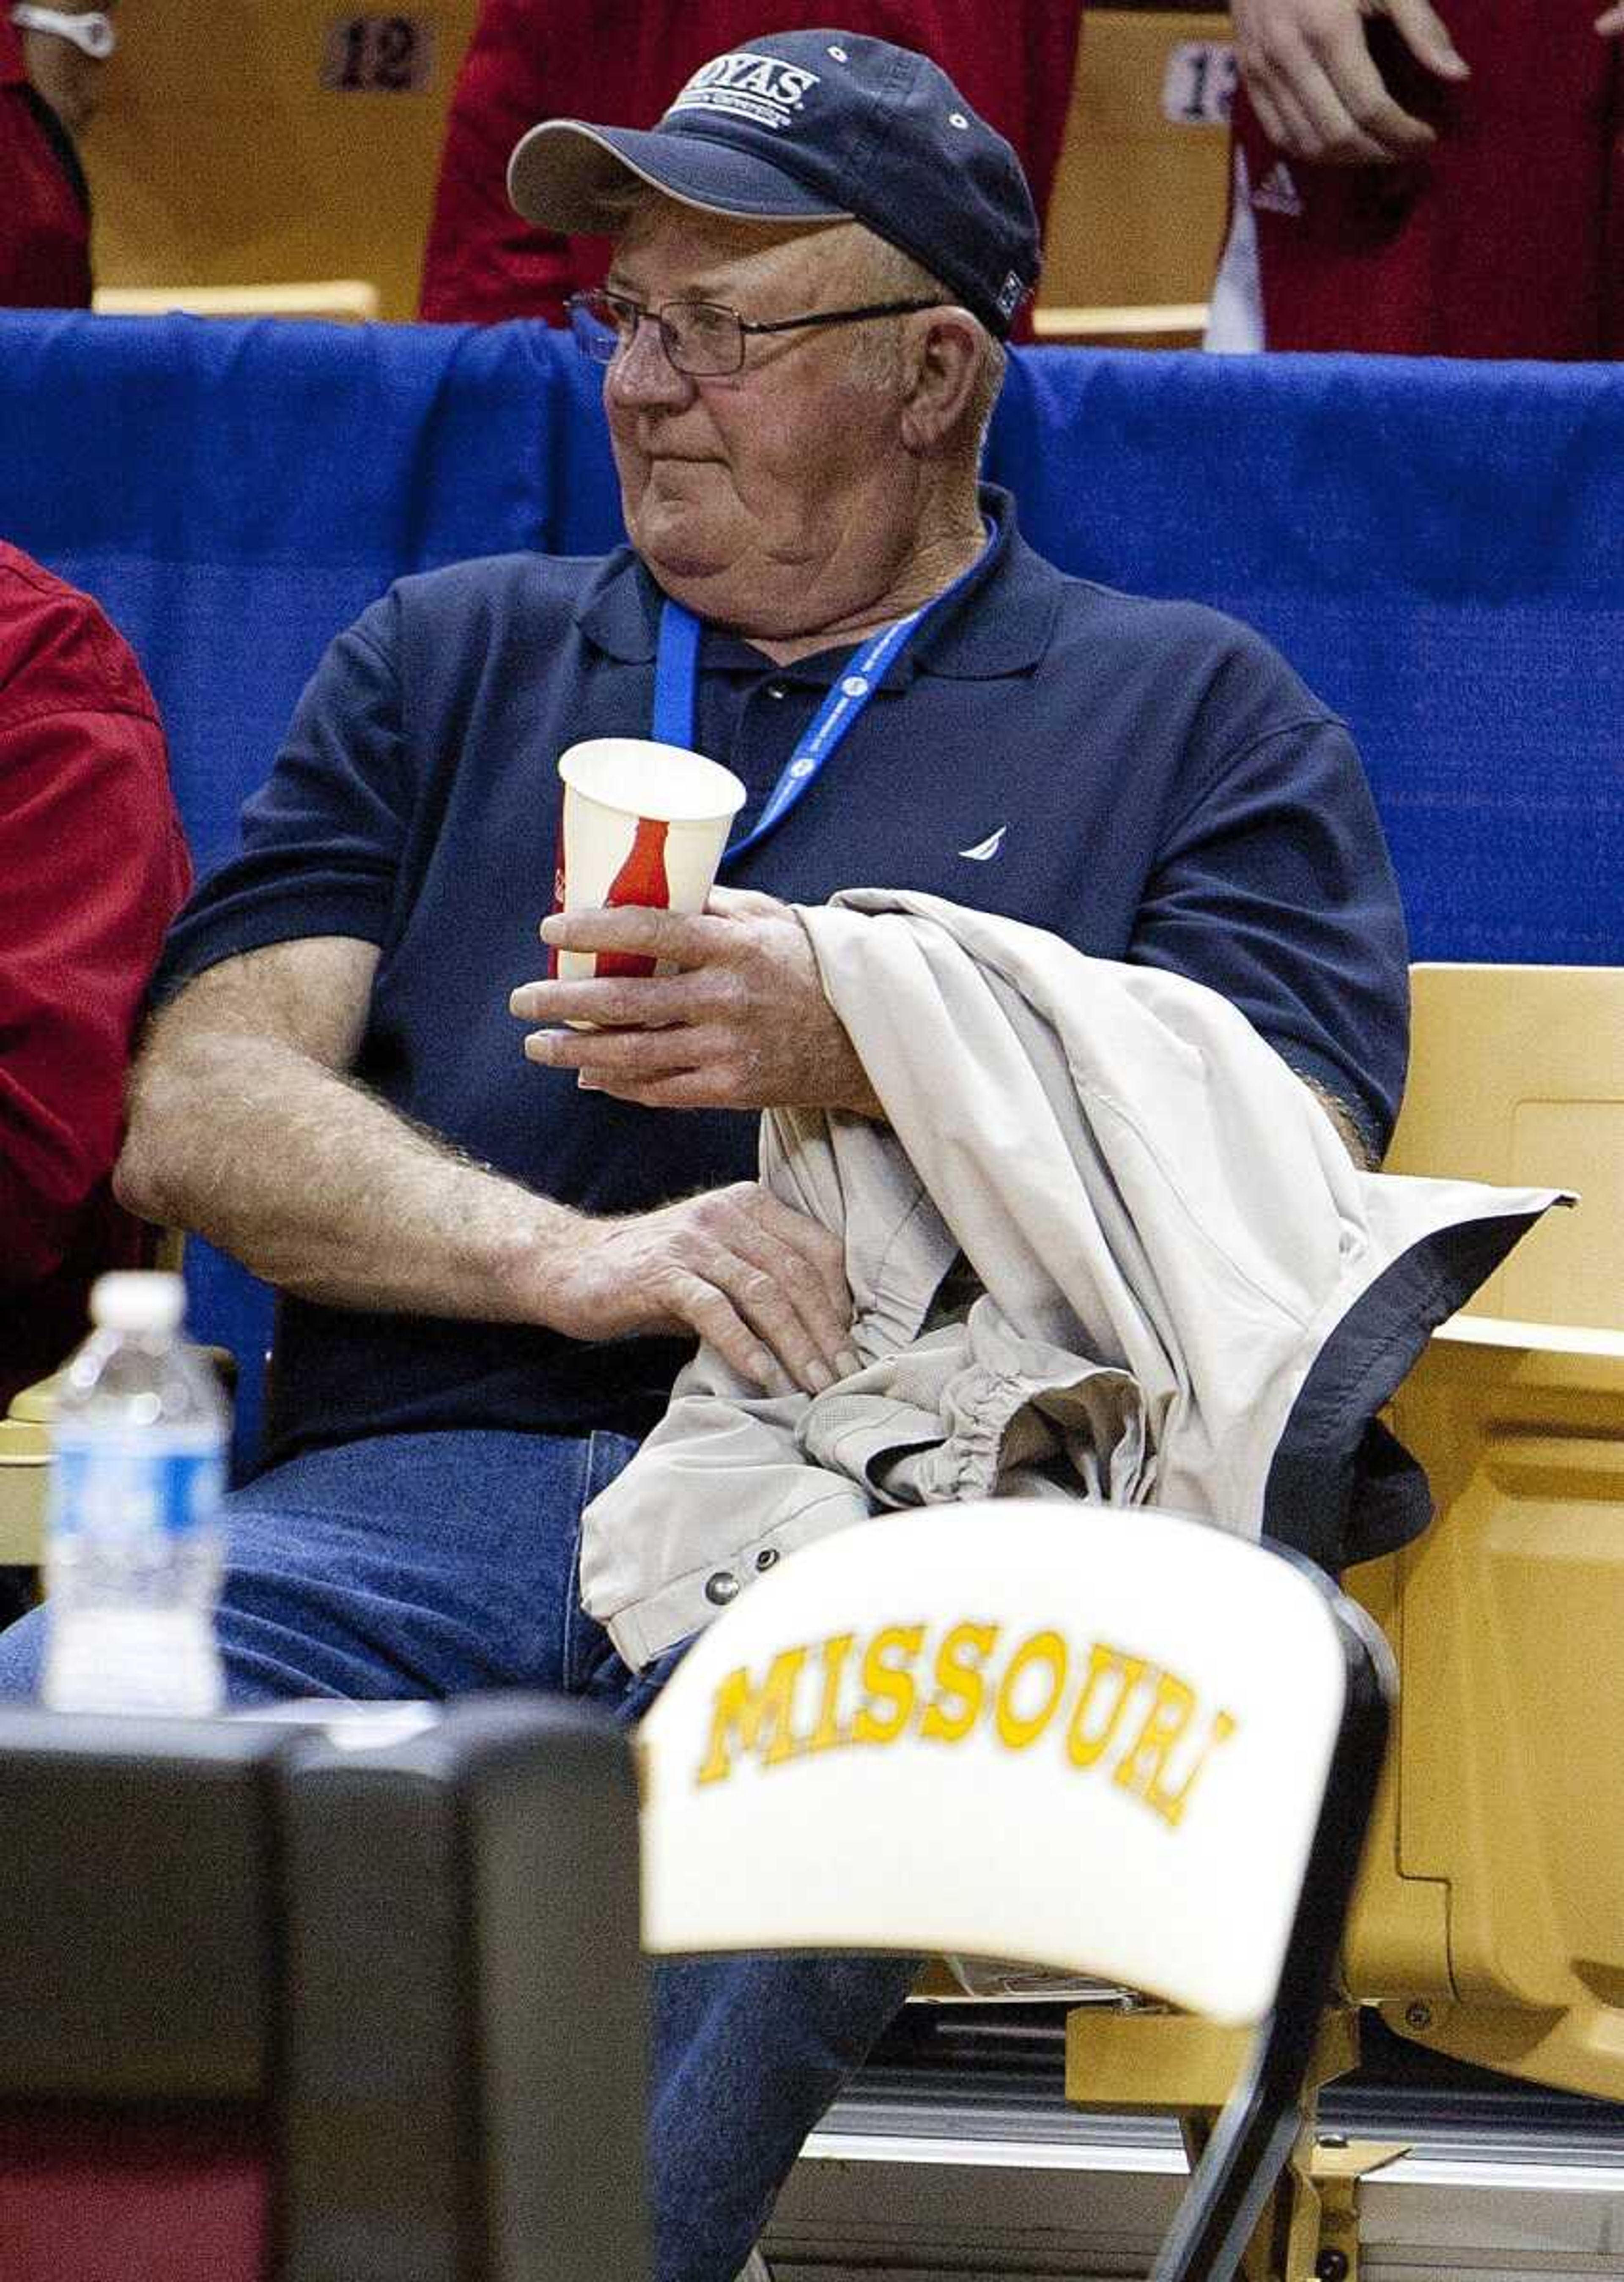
pixel 1148 780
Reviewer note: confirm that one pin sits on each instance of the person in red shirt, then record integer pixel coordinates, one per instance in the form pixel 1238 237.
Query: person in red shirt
pixel 94 867
pixel 533 59
pixel 44 207
pixel 1427 181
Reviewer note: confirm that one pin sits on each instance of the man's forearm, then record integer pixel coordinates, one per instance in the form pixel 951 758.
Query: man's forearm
pixel 327 1192
pixel 1346 1126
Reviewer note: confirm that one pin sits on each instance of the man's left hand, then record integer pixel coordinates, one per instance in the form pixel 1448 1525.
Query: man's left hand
pixel 742 1023
pixel 69 79
pixel 1610 24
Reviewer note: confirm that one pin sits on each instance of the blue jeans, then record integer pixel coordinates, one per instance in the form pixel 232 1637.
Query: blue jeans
pixel 435 1564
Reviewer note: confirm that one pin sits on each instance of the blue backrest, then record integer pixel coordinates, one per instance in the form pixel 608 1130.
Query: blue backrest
pixel 1438 548
pixel 233 494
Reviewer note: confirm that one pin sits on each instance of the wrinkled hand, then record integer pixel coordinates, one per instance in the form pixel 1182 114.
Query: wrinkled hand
pixel 764 1284
pixel 742 1024
pixel 1317 93
pixel 68 79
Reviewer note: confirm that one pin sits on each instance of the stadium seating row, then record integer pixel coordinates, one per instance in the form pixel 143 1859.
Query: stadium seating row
pixel 237 145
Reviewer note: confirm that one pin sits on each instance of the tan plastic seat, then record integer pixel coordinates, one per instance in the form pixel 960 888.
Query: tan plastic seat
pixel 25 1452
pixel 1486 1922
pixel 1489 1924
pixel 24 1440
pixel 1136 211
pixel 1171 325
pixel 235 141
pixel 340 300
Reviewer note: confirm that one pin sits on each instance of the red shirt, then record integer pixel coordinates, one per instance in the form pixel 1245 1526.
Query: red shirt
pixel 94 869
pixel 44 230
pixel 1505 239
pixel 624 60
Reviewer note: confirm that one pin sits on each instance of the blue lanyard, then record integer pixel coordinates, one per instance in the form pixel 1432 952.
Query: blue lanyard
pixel 676 688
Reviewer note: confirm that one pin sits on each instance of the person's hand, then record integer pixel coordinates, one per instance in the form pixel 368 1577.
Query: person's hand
pixel 68 79
pixel 742 1024
pixel 1611 23
pixel 764 1284
pixel 1315 90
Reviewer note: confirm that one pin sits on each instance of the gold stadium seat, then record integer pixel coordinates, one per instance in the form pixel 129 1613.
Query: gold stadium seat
pixel 25 1439
pixel 1489 1925
pixel 1487 1921
pixel 1163 325
pixel 1138 209
pixel 340 300
pixel 236 140
pixel 25 1452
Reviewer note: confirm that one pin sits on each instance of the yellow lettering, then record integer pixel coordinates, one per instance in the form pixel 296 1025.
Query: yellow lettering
pixel 1020 1728
pixel 1084 1746
pixel 761 1716
pixel 1142 1765
pixel 958 1681
pixel 887 1683
pixel 828 1734
pixel 1171 1805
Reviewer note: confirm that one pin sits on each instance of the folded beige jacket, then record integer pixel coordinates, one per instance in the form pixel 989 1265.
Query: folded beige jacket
pixel 1106 1245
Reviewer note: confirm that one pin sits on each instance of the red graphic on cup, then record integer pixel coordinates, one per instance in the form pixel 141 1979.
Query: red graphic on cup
pixel 560 896
pixel 641 879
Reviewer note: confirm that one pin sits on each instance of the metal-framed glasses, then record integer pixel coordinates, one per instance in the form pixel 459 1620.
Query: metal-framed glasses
pixel 704 339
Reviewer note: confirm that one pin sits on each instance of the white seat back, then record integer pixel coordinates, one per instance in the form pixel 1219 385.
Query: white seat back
pixel 1050 1732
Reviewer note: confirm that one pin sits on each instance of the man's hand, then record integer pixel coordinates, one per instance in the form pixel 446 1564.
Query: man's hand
pixel 764 1284
pixel 1611 23
pixel 1316 92
pixel 69 79
pixel 742 1024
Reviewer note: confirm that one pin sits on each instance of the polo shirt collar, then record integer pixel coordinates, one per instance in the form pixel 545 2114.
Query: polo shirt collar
pixel 1000 621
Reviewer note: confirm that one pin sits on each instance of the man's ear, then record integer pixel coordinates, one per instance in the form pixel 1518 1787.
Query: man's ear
pixel 942 349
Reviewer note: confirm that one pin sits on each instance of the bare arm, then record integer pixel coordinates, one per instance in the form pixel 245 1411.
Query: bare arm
pixel 1347 1131
pixel 246 1126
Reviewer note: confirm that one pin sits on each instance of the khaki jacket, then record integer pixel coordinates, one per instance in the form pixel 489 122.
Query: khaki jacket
pixel 1108 1247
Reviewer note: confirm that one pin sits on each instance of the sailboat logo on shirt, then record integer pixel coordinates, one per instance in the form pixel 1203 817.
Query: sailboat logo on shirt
pixel 984 850
pixel 641 879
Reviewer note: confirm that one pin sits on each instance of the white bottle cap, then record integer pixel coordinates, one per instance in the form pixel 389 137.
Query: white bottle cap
pixel 137 1300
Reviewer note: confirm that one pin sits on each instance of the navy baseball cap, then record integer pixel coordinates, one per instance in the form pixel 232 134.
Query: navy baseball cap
pixel 810 127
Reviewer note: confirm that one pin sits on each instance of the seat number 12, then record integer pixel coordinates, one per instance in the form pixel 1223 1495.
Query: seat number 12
pixel 378 55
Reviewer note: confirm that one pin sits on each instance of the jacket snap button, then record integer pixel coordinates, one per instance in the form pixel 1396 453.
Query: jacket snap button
pixel 722 1588
pixel 767 1556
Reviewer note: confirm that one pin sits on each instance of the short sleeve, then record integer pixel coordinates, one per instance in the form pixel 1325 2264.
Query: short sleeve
pixel 1274 887
pixel 322 838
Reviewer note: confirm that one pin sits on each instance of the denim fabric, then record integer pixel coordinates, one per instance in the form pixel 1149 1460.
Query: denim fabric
pixel 433 1564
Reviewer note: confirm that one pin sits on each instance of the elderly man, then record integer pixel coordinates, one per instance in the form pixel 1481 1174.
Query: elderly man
pixel 491 1258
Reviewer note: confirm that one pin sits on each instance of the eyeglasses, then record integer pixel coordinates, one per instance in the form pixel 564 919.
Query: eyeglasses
pixel 702 339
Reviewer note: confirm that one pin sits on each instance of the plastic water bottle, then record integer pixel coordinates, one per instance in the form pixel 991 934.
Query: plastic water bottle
pixel 132 1546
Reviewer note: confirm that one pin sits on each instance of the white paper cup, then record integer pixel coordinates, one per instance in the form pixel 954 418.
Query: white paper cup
pixel 643 823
